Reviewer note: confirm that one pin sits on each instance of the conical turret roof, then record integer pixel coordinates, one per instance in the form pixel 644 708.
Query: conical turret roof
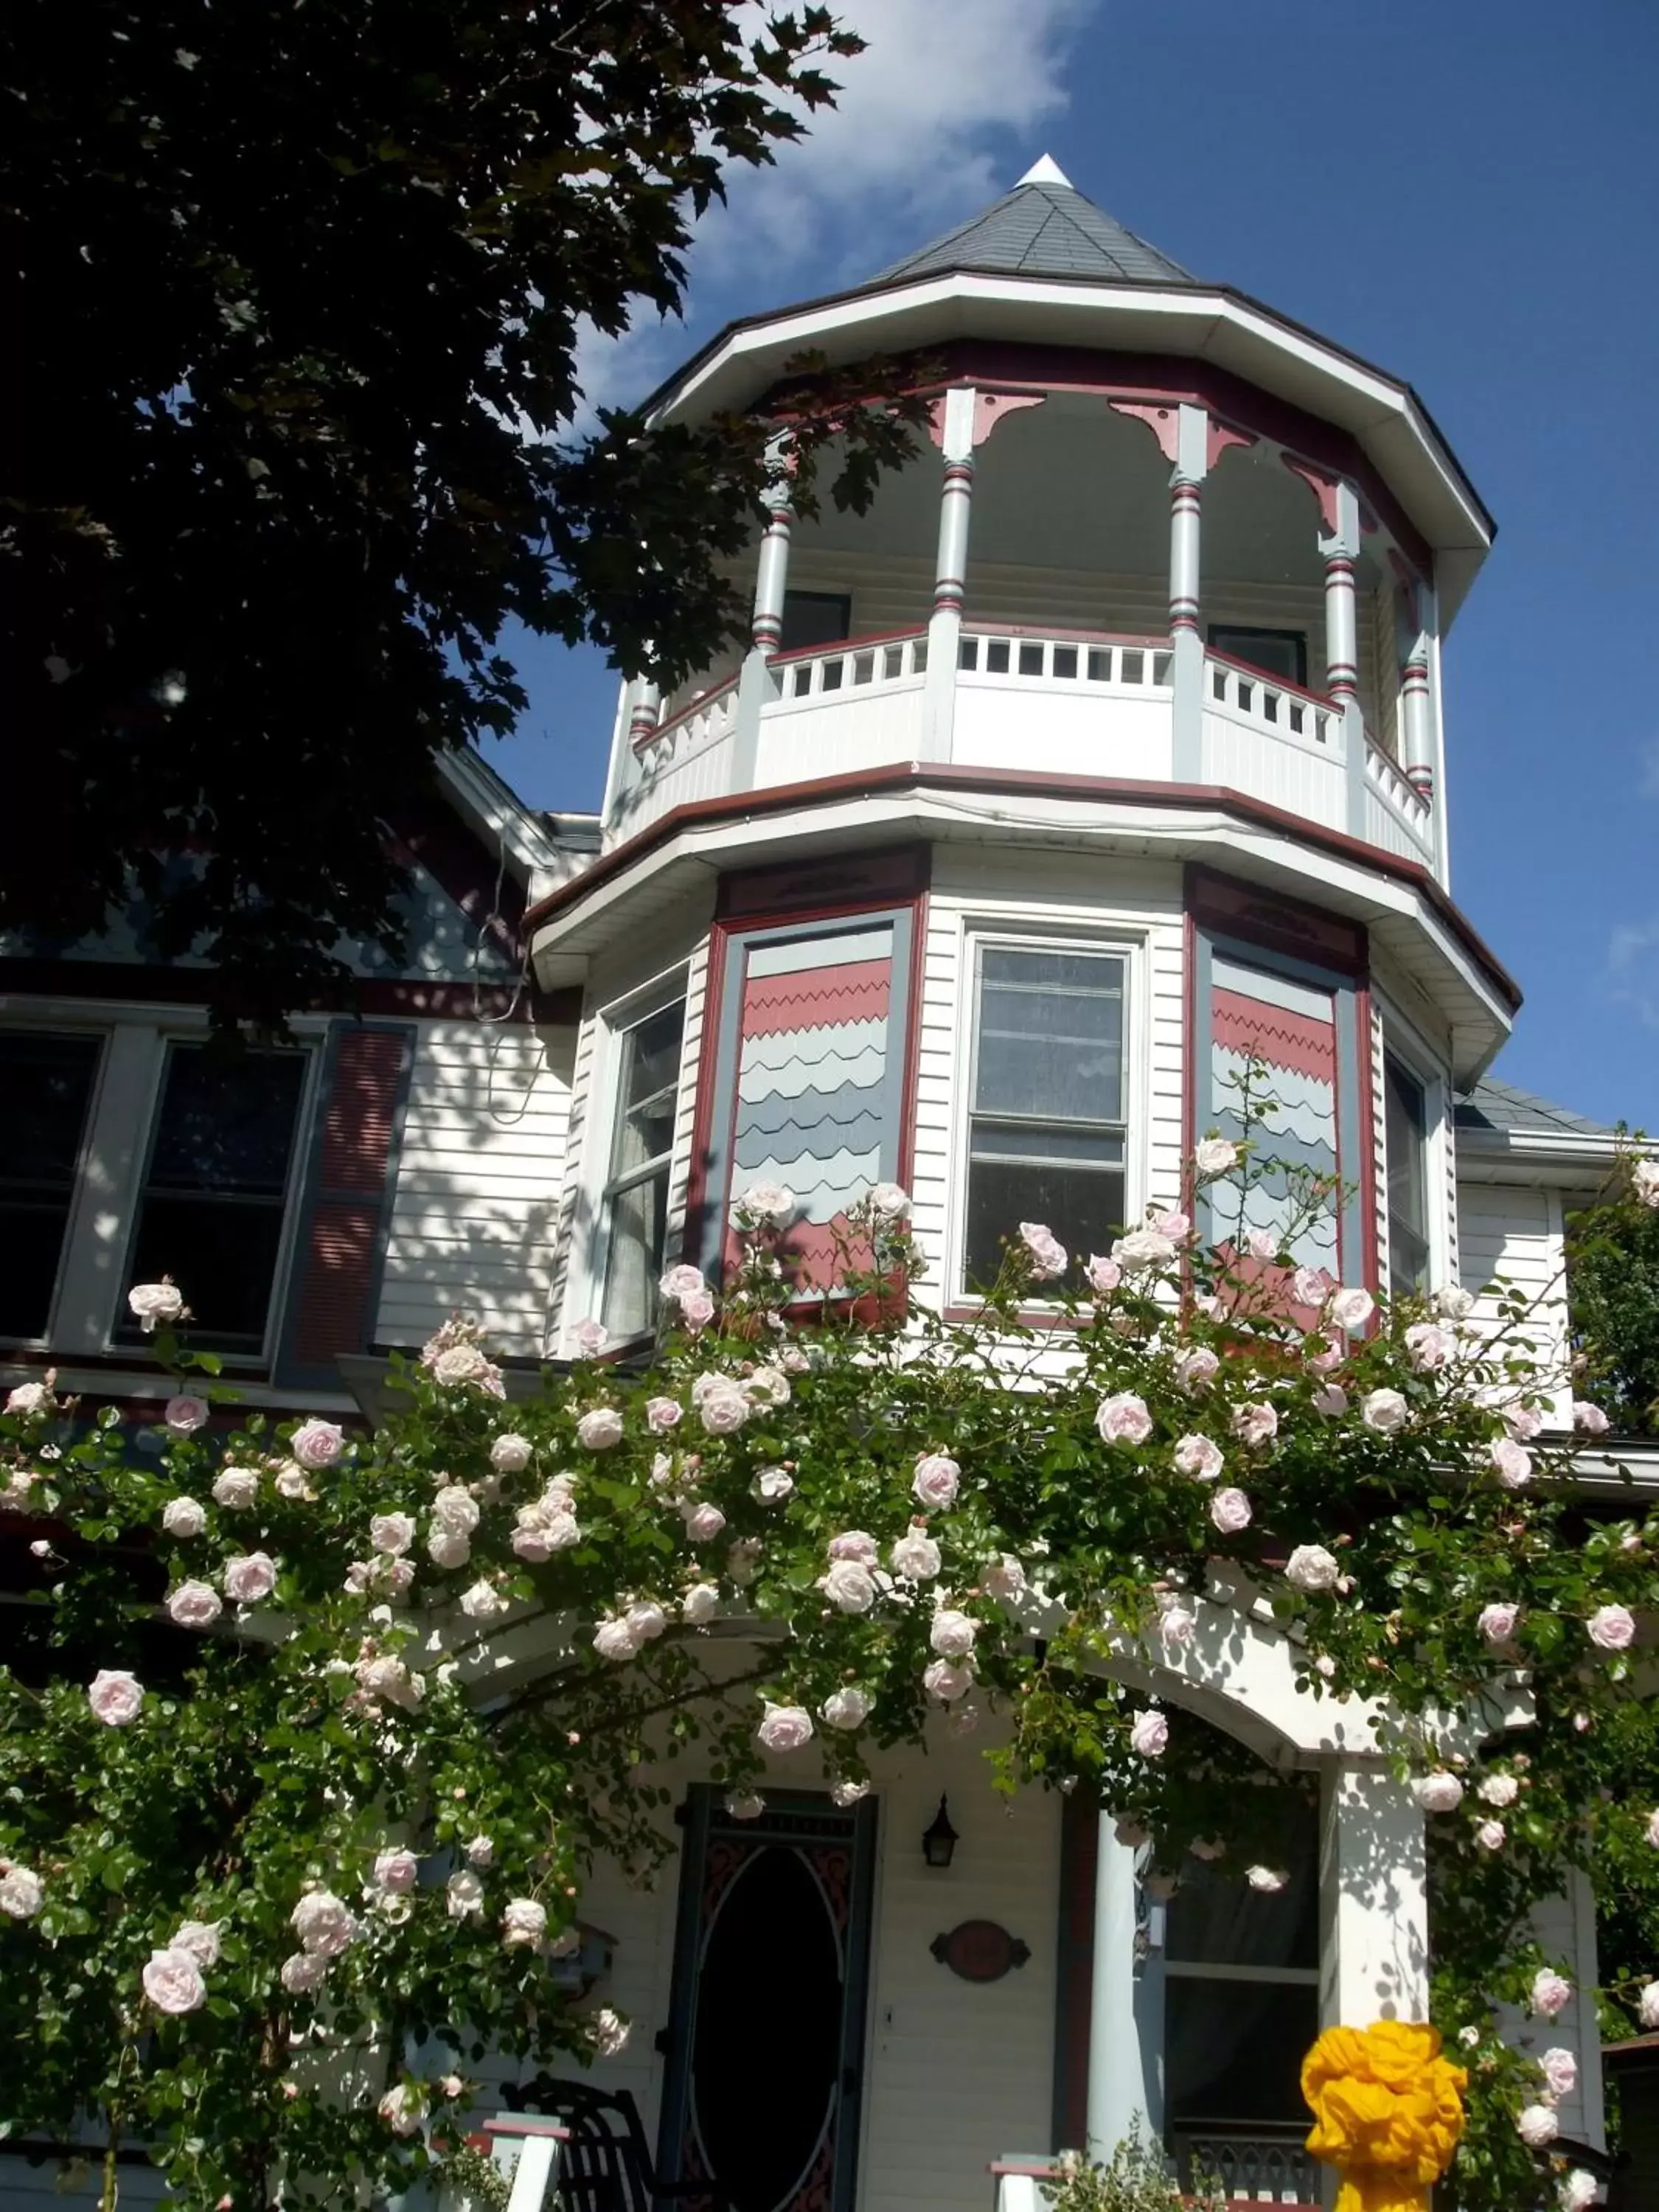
pixel 1043 228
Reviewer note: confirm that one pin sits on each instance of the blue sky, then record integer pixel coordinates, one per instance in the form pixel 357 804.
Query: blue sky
pixel 1463 194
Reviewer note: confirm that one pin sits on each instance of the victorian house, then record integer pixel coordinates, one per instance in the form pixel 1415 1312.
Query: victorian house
pixel 1102 756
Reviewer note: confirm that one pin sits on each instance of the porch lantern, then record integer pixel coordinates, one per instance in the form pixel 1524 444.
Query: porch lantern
pixel 938 1842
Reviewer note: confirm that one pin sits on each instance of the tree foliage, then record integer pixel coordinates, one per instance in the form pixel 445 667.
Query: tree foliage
pixel 496 1636
pixel 293 297
pixel 1612 1278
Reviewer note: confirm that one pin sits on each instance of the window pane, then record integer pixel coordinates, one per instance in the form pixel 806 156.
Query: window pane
pixel 814 618
pixel 45 1092
pixel 1083 1205
pixel 1045 1141
pixel 1050 1040
pixel 638 1222
pixel 1217 1919
pixel 227 1124
pixel 1281 652
pixel 650 1075
pixel 1407 1136
pixel 1233 2050
pixel 222 1254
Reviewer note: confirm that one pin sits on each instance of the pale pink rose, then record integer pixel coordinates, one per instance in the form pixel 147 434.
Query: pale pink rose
pixel 1327 1361
pixel 1005 1579
pixel 1207 1849
pixel 936 1482
pixel 767 1386
pixel 1176 1623
pixel 850 1587
pixel 615 1639
pixel 1653 1830
pixel 1261 1245
pixel 1499 1791
pixel 1645 1181
pixel 1560 2070
pixel 1579 2191
pixel 1589 1420
pixel 699 1604
pixel 317 1444
pixel 698 1311
pixel 1352 1309
pixel 173 1982
pixel 464 1895
pixel 889 1200
pixel 845 1709
pixel 599 1429
pixel 724 1407
pixel 1269 1880
pixel 523 1922
pixel 1123 1418
pixel 29 1397
pixel 785 1728
pixel 201 1939
pixel 854 1544
pixel 448 1549
pixel 793 1360
pixel 1385 1411
pixel 480 1851
pixel 1331 1399
pixel 194 1605
pixel 1523 1422
pixel 590 1337
pixel 1648 2005
pixel 303 1972
pixel 1215 1156
pixel 383 1676
pixel 236 1489
pixel 1102 1274
pixel 1551 1995
pixel 608 2032
pixel 742 1560
pixel 1230 1512
pixel 1537 2126
pixel 703 1521
pixel 291 1482
pixel 953 1634
pixel 681 1282
pixel 152 1303
pixel 1490 1835
pixel 764 1206
pixel 1257 1422
pixel 772 1486
pixel 116 1696
pixel 1175 1225
pixel 510 1455
pixel 1439 1792
pixel 1310 1286
pixel 947 1680
pixel 1199 1457
pixel 1047 1255
pixel 1311 1567
pixel 396 1871
pixel 250 1576
pixel 1453 1304
pixel 184 1414
pixel 458 1364
pixel 22 1892
pixel 483 1601
pixel 916 1557
pixel 1498 1623
pixel 401 2108
pixel 183 1516
pixel 848 1793
pixel 1428 1347
pixel 1149 1735
pixel 745 1804
pixel 663 1414
pixel 391 1533
pixel 1612 1627
pixel 648 1620
pixel 1143 1247
pixel 1195 1369
pixel 396 1577
pixel 455 1509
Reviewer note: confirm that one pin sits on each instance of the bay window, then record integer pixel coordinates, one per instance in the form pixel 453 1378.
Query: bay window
pixel 1405 1135
pixel 1046 1132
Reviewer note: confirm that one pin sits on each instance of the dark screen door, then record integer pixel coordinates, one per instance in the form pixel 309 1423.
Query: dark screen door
pixel 765 2046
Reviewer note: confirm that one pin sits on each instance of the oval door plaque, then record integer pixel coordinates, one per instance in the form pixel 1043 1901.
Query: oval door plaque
pixel 980 1951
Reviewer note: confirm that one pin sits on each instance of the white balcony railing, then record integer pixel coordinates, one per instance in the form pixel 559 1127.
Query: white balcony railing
pixel 1062 702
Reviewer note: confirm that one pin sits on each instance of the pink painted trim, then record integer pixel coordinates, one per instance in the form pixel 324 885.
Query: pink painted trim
pixel 1298 1042
pixel 814 998
pixel 527 2124
pixel 973 627
pixel 845 645
pixel 1322 484
pixel 991 408
pixel 1274 683
pixel 705 699
pixel 1219 435
pixel 1163 420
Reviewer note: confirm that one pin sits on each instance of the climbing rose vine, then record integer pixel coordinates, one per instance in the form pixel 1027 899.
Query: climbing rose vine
pixel 312 1735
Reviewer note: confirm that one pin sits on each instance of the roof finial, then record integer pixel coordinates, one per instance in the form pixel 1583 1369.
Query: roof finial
pixel 1048 170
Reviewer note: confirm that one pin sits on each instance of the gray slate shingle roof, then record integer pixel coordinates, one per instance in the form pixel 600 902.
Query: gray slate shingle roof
pixel 1501 1107
pixel 1043 229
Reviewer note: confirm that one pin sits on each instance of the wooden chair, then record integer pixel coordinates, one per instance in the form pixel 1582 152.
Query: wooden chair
pixel 605 2162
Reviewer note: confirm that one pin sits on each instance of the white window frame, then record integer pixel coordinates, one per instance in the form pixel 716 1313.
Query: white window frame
pixel 80 1033
pixel 1021 931
pixel 612 1025
pixel 1401 1041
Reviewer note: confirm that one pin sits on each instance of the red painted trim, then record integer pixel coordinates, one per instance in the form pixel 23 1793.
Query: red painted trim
pixel 1275 920
pixel 697 1181
pixel 840 646
pixel 1272 683
pixel 655 731
pixel 940 775
pixel 912 1071
pixel 1371 1198
pixel 128 983
pixel 811 998
pixel 1295 1042
pixel 973 627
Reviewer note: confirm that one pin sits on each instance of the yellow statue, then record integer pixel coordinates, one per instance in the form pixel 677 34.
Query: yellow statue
pixel 1387 2111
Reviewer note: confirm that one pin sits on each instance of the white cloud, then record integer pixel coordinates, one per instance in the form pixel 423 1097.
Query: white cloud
pixel 1649 785
pixel 1633 969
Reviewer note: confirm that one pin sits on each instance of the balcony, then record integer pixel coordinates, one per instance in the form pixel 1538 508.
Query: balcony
pixel 1063 703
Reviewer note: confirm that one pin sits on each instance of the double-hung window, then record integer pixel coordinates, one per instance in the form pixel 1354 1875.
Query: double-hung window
pixel 636 1191
pixel 211 1210
pixel 1405 1135
pixel 46 1093
pixel 1047 1133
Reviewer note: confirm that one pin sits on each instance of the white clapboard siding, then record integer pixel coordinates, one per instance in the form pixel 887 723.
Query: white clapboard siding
pixel 1564 1926
pixel 1402 1017
pixel 26 2188
pixel 1122 901
pixel 1510 1230
pixel 478 1181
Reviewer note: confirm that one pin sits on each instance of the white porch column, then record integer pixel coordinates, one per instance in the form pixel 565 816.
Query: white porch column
pixel 1434 715
pixel 1339 548
pixel 1122 2099
pixel 1191 467
pixel 765 627
pixel 955 437
pixel 1373 1898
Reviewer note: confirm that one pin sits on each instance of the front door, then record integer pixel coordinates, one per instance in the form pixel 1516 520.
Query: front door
pixel 765 2046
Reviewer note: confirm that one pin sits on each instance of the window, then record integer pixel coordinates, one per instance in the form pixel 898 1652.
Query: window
pixel 1407 1136
pixel 45 1089
pixel 210 1212
pixel 814 618
pixel 1046 1134
pixel 1280 652
pixel 636 1194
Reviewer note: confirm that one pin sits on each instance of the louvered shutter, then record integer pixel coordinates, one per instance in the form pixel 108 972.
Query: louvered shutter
pixel 334 1280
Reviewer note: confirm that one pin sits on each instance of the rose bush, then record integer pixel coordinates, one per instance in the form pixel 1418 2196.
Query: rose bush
pixel 372 1727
